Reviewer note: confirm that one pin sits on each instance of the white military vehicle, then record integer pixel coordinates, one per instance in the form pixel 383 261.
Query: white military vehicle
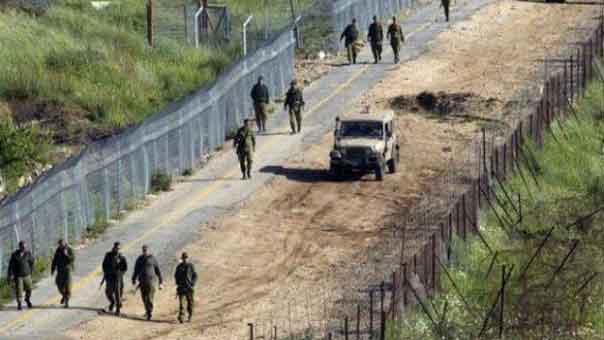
pixel 365 143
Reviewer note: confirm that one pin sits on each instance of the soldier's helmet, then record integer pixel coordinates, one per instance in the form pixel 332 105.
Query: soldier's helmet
pixel 184 256
pixel 293 82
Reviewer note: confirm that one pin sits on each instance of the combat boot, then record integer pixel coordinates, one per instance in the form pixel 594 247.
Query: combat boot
pixel 110 307
pixel 180 318
pixel 66 305
pixel 189 318
pixel 28 302
pixel 249 174
pixel 19 305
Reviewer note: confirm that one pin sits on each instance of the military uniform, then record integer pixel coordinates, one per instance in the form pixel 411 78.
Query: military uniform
pixel 114 268
pixel 245 144
pixel 376 38
pixel 185 277
pixel 63 264
pixel 260 97
pixel 350 36
pixel 395 33
pixel 446 4
pixel 20 268
pixel 147 273
pixel 295 101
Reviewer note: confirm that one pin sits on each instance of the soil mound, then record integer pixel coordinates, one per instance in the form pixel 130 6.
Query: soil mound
pixel 442 103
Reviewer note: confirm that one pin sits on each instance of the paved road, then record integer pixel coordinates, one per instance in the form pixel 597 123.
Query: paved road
pixel 171 221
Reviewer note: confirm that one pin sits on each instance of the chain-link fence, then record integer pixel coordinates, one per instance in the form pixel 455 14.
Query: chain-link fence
pixel 109 176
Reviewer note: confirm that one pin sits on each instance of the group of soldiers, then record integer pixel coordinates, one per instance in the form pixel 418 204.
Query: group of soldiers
pixel 245 139
pixel 375 36
pixel 146 277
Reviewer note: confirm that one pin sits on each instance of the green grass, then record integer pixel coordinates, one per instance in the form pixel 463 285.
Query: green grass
pixel 98 61
pixel 540 305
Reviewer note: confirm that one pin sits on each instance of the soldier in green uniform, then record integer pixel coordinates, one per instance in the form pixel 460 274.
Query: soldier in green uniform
pixel 375 36
pixel 396 36
pixel 350 36
pixel 114 268
pixel 245 145
pixel 147 273
pixel 445 4
pixel 20 268
pixel 63 264
pixel 295 101
pixel 261 98
pixel 185 277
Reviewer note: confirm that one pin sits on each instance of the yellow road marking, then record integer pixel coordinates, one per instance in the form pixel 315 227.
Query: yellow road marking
pixel 84 281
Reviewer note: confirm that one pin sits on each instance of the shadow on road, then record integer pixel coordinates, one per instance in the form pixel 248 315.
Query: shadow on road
pixel 310 175
pixel 51 307
pixel 298 174
pixel 215 179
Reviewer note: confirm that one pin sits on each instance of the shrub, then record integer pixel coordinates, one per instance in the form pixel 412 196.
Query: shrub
pixel 160 181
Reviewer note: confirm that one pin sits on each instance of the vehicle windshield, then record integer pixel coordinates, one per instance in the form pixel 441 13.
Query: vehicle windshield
pixel 353 129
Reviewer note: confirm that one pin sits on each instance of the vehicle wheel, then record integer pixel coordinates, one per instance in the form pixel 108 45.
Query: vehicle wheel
pixel 393 163
pixel 379 173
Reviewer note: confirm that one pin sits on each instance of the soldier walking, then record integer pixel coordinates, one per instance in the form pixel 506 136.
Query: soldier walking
pixel 20 269
pixel 185 277
pixel 147 273
pixel 445 4
pixel 294 100
pixel 350 36
pixel 245 145
pixel 63 264
pixel 396 36
pixel 375 36
pixel 114 268
pixel 260 97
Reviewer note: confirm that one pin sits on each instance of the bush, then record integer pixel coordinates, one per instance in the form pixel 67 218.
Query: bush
pixel 160 181
pixel 21 149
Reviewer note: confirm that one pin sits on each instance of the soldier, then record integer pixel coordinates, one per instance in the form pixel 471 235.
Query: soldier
pixel 350 36
pixel 185 277
pixel 63 264
pixel 146 272
pixel 114 268
pixel 396 36
pixel 295 101
pixel 245 145
pixel 445 4
pixel 261 98
pixel 376 37
pixel 20 268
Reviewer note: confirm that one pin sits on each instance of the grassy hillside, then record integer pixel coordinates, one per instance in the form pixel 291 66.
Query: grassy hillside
pixel 75 74
pixel 560 296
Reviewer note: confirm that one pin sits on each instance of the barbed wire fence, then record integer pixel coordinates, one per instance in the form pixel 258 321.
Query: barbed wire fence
pixel 409 266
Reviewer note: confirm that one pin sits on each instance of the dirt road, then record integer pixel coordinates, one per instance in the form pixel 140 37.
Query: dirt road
pixel 289 251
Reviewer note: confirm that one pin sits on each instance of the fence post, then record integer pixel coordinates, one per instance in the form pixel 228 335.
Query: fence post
pixel 405 278
pixel 251 325
pixel 150 22
pixel 383 326
pixel 505 160
pixel 346 328
pixel 434 284
pixel 393 295
pixel 358 322
pixel 382 295
pixel 371 314
pixel 572 78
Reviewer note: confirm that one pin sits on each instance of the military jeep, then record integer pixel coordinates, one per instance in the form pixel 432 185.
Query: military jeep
pixel 365 143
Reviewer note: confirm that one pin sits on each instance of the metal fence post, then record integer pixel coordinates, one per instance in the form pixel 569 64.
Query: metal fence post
pixel 371 314
pixel 251 326
pixel 150 22
pixel 383 326
pixel 358 330
pixel 346 327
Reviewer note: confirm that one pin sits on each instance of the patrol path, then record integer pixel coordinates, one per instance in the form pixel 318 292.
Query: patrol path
pixel 249 255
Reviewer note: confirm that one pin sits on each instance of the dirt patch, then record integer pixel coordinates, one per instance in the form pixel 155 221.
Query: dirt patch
pixel 70 125
pixel 443 103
